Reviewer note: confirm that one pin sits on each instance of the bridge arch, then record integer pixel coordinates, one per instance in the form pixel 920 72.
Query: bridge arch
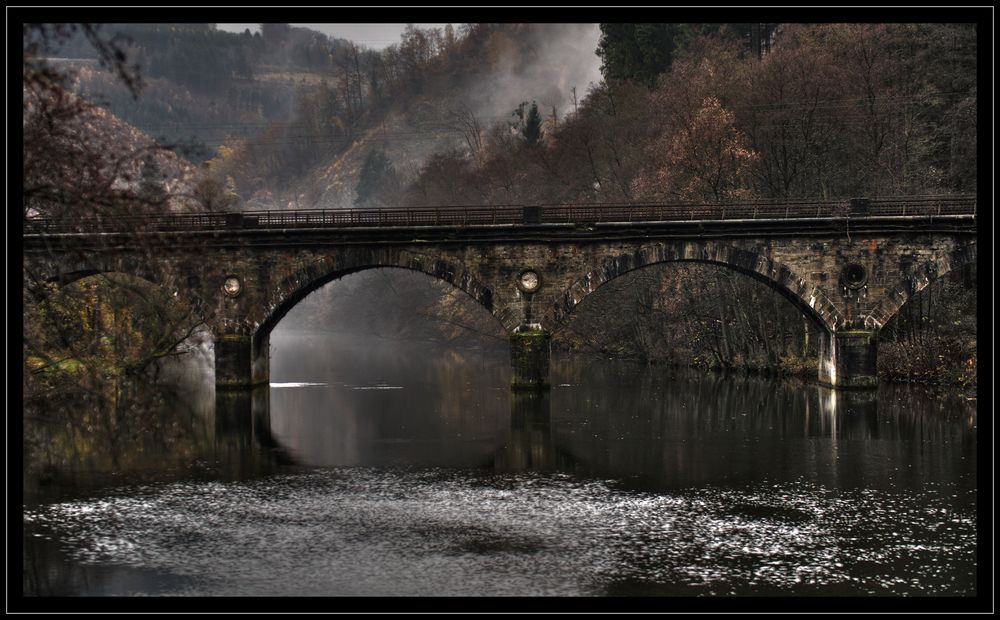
pixel 916 278
pixel 150 317
pixel 64 270
pixel 163 275
pixel 296 286
pixel 807 298
pixel 303 281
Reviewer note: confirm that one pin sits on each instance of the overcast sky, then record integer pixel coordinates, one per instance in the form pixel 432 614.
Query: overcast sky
pixel 374 36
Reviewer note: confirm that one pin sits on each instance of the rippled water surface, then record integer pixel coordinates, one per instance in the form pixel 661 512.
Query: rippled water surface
pixel 377 476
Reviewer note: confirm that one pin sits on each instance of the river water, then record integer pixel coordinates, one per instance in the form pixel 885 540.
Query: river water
pixel 390 469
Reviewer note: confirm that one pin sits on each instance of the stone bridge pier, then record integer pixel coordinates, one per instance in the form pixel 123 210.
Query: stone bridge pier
pixel 848 359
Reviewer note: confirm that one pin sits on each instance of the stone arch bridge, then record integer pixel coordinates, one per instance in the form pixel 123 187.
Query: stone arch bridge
pixel 847 265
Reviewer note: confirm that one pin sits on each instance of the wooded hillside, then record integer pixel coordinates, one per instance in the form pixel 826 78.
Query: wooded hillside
pixel 483 114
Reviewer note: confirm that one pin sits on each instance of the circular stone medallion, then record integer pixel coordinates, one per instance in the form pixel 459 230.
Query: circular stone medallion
pixel 232 286
pixel 854 276
pixel 529 281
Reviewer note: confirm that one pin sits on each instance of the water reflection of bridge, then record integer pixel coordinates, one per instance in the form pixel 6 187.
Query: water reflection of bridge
pixel 838 429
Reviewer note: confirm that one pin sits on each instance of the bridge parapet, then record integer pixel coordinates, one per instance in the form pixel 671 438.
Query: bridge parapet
pixel 515 215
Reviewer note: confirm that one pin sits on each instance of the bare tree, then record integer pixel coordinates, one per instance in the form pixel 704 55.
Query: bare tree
pixel 81 163
pixel 468 125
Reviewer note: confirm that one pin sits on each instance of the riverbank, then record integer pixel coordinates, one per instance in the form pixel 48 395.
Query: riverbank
pixel 897 363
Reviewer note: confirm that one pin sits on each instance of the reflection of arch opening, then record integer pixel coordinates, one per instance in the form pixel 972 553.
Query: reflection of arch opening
pixel 919 278
pixel 813 304
pixel 309 283
pixel 371 330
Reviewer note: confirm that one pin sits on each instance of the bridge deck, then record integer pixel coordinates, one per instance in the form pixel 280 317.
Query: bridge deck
pixel 471 216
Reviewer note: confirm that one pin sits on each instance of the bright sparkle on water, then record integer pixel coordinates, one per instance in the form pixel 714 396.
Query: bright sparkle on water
pixel 294 385
pixel 441 532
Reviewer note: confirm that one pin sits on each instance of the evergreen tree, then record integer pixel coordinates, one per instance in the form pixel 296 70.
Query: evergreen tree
pixel 637 51
pixel 529 123
pixel 531 132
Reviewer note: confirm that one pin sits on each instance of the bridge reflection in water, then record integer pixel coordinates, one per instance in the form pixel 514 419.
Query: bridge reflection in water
pixel 658 433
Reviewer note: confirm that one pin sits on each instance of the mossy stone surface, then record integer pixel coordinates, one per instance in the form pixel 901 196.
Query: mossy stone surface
pixel 529 356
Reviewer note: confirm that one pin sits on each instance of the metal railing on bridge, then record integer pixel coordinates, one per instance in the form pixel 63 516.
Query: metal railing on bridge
pixel 514 215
